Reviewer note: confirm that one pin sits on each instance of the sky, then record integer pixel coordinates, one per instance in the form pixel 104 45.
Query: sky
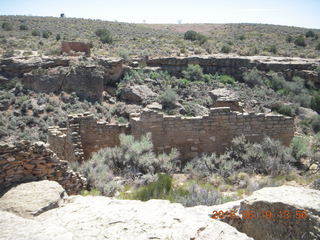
pixel 300 13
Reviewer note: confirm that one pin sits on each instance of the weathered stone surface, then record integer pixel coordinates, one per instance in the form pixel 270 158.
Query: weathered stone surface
pixel 284 198
pixel 136 93
pixel 223 97
pixel 86 81
pixel 85 76
pixel 154 106
pixel 15 67
pixel 306 113
pixel 13 227
pixel 104 218
pixel 31 199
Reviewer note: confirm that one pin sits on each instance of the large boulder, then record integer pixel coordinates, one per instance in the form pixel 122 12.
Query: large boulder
pixel 136 93
pixel 293 213
pixel 31 199
pixel 105 218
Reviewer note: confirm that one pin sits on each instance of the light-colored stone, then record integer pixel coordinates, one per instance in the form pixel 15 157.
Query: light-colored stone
pixel 284 198
pixel 13 227
pixel 104 218
pixel 136 93
pixel 32 199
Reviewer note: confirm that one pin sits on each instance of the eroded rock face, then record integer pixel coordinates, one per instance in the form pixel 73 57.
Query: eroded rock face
pixel 235 66
pixel 136 93
pixel 31 199
pixel 286 204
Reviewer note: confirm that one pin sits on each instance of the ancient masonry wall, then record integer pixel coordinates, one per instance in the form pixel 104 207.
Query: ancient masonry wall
pixel 190 135
pixel 25 162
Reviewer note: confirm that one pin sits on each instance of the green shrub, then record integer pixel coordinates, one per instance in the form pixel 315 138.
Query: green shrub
pixel 269 157
pixel 58 37
pixel 285 110
pixel 315 124
pixel 225 79
pixel 168 98
pixel 23 27
pixel 104 35
pixel 193 73
pixel 160 189
pixel 7 26
pixel 242 37
pixel 46 34
pixel 299 41
pixel 200 196
pixel 35 32
pixel 207 165
pixel 226 49
pixel 318 47
pixel 129 160
pixel 299 147
pixel 273 49
pixel 276 82
pixel 310 34
pixel 289 39
pixel 106 38
pixel 253 78
pixel 193 36
pixel 315 103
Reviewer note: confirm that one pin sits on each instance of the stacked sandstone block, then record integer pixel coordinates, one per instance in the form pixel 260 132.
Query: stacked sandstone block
pixel 24 162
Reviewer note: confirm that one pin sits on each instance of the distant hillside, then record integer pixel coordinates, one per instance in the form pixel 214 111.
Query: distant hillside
pixel 131 40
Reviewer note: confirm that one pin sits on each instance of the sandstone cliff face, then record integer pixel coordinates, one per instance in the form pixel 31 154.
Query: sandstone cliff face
pixel 236 65
pixel 85 76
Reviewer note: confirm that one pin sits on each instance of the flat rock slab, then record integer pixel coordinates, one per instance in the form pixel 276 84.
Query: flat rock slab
pixel 284 220
pixel 31 199
pixel 105 218
pixel 13 227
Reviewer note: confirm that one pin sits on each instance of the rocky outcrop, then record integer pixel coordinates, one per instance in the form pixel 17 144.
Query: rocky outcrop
pixel 136 93
pixel 88 77
pixel 104 218
pixel 280 213
pixel 25 162
pixel 86 81
pixel 31 199
pixel 16 67
pixel 223 97
pixel 235 66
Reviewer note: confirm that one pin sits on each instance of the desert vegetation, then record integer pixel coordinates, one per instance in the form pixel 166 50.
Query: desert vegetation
pixel 132 40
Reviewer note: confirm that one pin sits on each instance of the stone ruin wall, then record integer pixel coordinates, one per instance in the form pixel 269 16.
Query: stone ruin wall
pixel 235 66
pixel 190 135
pixel 25 162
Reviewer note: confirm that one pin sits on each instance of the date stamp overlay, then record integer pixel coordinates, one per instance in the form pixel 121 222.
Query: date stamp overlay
pixel 263 214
